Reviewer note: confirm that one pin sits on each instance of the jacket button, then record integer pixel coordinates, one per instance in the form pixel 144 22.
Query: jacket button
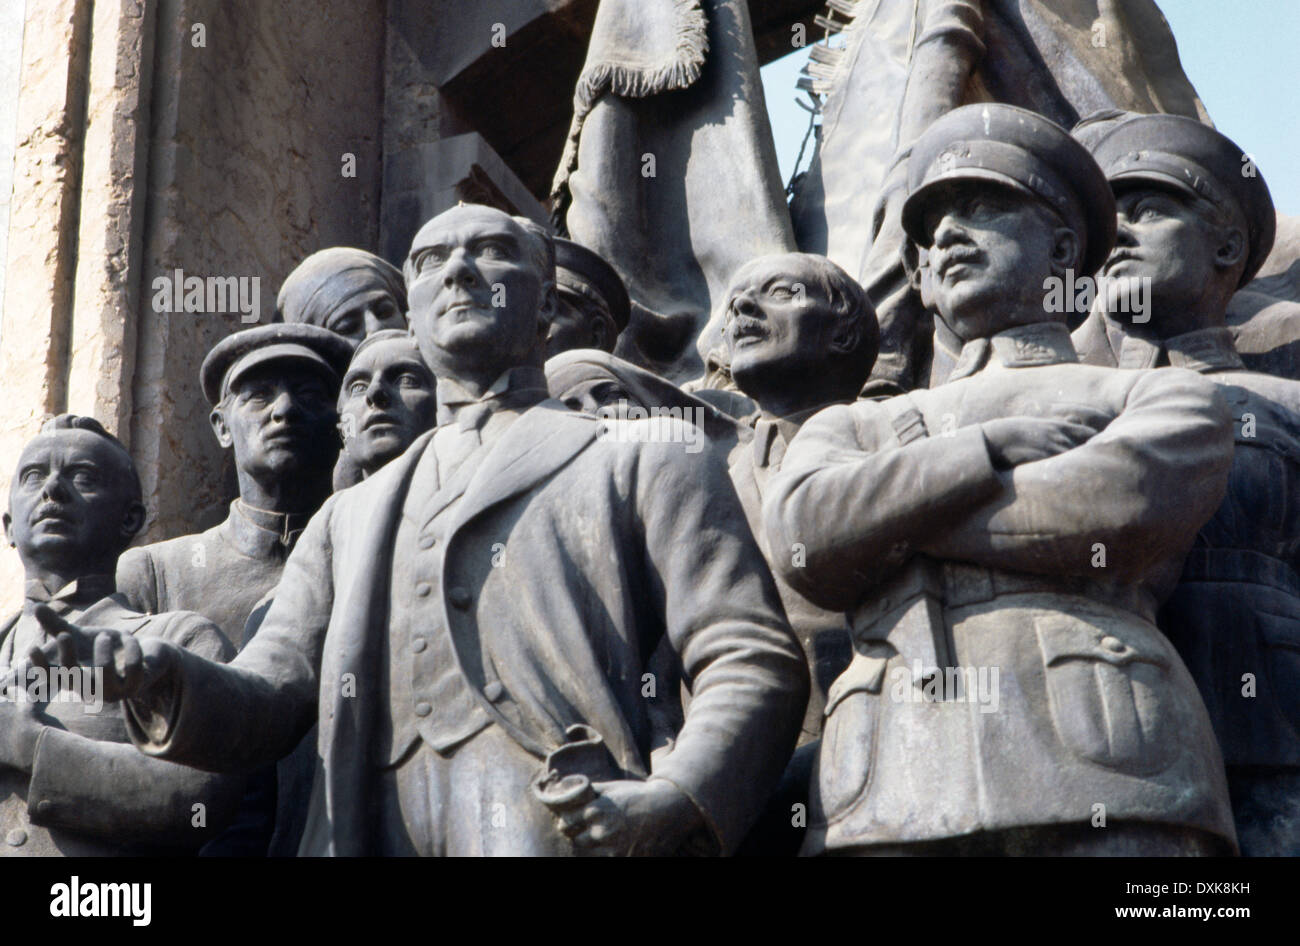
pixel 1113 644
pixel 493 691
pixel 423 709
pixel 16 838
pixel 459 597
pixel 423 588
pixel 419 644
pixel 428 542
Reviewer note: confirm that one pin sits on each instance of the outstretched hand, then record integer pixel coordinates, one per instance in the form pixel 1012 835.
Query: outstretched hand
pixel 129 665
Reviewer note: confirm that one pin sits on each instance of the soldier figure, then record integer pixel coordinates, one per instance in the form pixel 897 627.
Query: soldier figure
pixel 272 389
pixel 71 783
pixel 592 303
pixel 472 622
pixel 1004 540
pixel 1195 228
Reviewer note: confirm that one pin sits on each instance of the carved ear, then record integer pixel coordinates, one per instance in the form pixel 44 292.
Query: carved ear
pixel 845 338
pixel 221 428
pixel 1066 249
pixel 132 521
pixel 1231 249
pixel 547 306
pixel 911 256
pixel 9 532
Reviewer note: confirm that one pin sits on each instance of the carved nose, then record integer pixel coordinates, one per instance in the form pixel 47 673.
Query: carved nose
pixel 375 395
pixel 55 489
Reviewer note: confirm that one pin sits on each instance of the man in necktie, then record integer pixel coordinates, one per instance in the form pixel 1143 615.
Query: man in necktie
pixel 272 389
pixel 70 781
pixel 471 624
pixel 1194 228
pixel 1003 541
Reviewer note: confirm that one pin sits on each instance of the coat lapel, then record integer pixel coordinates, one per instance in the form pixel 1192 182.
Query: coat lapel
pixel 543 439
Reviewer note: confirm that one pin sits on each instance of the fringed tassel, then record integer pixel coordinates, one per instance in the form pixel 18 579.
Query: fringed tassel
pixel 629 82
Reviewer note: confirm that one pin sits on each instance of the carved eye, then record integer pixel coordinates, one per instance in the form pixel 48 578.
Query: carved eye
pixel 409 379
pixel 781 292
pixel 85 479
pixel 33 477
pixel 358 388
pixel 493 250
pixel 430 258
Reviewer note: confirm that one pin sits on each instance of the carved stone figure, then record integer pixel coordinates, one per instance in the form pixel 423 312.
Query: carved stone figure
pixel 387 399
pixel 348 291
pixel 272 389
pixel 801 335
pixel 1194 229
pixel 592 306
pixel 1003 541
pixel 71 783
pixel 472 621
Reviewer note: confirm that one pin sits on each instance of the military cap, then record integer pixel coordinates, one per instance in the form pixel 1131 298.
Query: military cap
pixel 1191 157
pixel 235 354
pixel 1019 149
pixel 581 270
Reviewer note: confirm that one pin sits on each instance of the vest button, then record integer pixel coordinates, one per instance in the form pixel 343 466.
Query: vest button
pixel 459 597
pixel 423 588
pixel 423 709
pixel 493 691
pixel 419 644
pixel 16 838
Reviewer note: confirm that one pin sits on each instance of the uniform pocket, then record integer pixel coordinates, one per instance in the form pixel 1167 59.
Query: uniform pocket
pixel 849 737
pixel 1111 701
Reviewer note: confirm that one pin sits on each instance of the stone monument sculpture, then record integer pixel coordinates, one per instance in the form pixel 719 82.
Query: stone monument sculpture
pixel 1003 541
pixel 470 624
pixel 801 335
pixel 351 292
pixel 592 306
pixel 1193 229
pixel 272 389
pixel 71 783
pixel 386 400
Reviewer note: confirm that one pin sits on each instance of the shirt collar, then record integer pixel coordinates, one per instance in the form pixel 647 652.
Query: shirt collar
pixel 769 429
pixel 1021 346
pixel 85 589
pixel 1205 350
pixel 261 533
pixel 521 386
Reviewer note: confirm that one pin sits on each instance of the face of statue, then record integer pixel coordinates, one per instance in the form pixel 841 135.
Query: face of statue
pixel 777 317
pixel 992 250
pixel 479 298
pixel 279 417
pixel 387 400
pixel 578 323
pixel 72 501
pixel 1171 239
pixel 365 313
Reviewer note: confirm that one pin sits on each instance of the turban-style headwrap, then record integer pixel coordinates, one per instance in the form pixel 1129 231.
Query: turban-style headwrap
pixel 329 277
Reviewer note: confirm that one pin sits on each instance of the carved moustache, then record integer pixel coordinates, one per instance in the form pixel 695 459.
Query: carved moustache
pixel 954 255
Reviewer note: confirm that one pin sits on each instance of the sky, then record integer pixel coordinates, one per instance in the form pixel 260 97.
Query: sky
pixel 1241 56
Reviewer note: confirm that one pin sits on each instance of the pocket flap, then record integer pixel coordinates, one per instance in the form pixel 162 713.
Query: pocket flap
pixel 1062 638
pixel 863 675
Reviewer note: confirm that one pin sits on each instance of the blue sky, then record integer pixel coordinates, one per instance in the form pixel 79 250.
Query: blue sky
pixel 1241 56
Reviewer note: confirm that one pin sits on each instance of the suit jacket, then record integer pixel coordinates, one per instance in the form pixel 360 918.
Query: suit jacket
pixel 90 792
pixel 954 566
pixel 602 545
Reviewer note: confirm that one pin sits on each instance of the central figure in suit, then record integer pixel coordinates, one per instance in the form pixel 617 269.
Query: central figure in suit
pixel 493 596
